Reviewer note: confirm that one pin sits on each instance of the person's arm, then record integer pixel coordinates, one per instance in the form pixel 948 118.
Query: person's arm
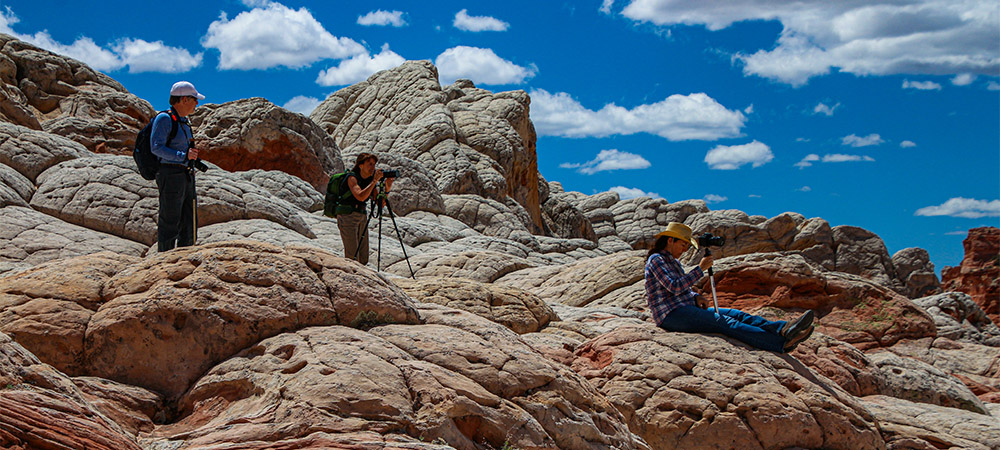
pixel 158 141
pixel 362 194
pixel 672 280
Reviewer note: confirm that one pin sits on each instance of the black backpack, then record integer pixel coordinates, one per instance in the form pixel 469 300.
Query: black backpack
pixel 335 193
pixel 144 158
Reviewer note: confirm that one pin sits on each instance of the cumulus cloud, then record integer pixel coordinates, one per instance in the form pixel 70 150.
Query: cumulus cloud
pixel 963 207
pixel 921 85
pixel 907 144
pixel 382 18
pixel 302 104
pixel 878 37
pixel 142 56
pixel 359 68
pixel 807 161
pixel 732 157
pixel 804 189
pixel 609 160
pixel 606 6
pixel 858 141
pixel 677 118
pixel 275 35
pixel 963 79
pixel 839 157
pixel 625 193
pixel 463 21
pixel 712 198
pixel 822 108
pixel 993 86
pixel 480 65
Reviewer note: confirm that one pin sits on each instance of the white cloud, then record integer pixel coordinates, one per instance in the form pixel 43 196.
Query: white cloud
pixel 748 109
pixel 609 160
pixel 382 18
pixel 907 144
pixel 359 68
pixel 83 49
pixel 822 108
pixel 839 157
pixel 463 21
pixel 993 86
pixel 876 37
pixel 963 79
pixel 712 198
pixel 755 196
pixel 804 189
pixel 857 141
pixel 274 36
pixel 921 85
pixel 606 6
pixel 625 193
pixel 302 104
pixel 480 65
pixel 142 56
pixel 677 118
pixel 807 161
pixel 963 207
pixel 731 157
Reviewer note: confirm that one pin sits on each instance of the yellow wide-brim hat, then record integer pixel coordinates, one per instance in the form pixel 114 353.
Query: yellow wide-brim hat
pixel 680 231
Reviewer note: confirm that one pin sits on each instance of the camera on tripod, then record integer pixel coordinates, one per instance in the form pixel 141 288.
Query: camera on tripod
pixel 707 240
pixel 390 173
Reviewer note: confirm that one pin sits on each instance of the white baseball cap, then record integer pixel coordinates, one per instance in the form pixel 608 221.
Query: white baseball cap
pixel 185 89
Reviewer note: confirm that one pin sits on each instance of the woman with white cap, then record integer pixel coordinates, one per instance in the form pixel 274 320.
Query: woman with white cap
pixel 676 307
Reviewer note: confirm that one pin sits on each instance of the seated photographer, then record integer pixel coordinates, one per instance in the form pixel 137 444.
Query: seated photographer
pixel 363 182
pixel 676 307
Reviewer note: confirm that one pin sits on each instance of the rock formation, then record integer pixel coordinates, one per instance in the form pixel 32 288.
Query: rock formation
pixel 979 273
pixel 525 325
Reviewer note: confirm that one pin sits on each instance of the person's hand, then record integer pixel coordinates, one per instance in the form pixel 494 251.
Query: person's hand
pixel 706 262
pixel 702 302
pixel 377 176
pixel 192 153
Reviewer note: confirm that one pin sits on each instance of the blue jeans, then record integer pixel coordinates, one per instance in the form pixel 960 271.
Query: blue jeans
pixel 753 330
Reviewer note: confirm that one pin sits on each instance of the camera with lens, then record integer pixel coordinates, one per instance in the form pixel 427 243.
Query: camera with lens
pixel 707 240
pixel 198 164
pixel 390 173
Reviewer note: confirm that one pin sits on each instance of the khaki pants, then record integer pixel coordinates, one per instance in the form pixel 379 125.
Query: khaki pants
pixel 352 232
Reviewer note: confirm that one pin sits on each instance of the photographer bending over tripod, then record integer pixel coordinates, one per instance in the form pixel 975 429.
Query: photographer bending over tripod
pixel 676 307
pixel 363 183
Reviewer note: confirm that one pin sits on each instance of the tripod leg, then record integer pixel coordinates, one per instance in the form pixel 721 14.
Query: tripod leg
pixel 361 239
pixel 400 237
pixel 379 266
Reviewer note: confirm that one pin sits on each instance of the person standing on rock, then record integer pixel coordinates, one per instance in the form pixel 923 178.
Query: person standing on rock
pixel 676 307
pixel 363 182
pixel 176 223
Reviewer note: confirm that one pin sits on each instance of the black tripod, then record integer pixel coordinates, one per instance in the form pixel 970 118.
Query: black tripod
pixel 376 211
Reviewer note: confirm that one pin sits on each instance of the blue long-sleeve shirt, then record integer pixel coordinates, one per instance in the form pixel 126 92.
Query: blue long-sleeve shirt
pixel 667 286
pixel 175 151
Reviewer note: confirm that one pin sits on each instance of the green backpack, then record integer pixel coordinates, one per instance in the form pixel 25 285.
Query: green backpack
pixel 336 192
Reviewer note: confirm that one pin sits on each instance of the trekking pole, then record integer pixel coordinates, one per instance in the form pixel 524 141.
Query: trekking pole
pixel 711 279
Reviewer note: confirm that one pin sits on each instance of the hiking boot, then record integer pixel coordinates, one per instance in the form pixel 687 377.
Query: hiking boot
pixel 798 339
pixel 792 329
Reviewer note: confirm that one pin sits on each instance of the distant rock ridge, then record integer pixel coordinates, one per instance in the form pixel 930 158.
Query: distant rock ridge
pixel 979 273
pixel 526 326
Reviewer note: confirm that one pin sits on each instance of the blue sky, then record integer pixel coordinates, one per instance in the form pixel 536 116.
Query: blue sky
pixel 878 114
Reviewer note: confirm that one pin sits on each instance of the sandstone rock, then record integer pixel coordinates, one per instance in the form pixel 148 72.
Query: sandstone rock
pixel 70 99
pixel 583 324
pixel 513 308
pixel 489 217
pixel 133 408
pixel 15 189
pixel 638 220
pixel 916 381
pixel 47 308
pixel 959 318
pixel 287 187
pixel 861 252
pixel 976 365
pixel 29 237
pixel 908 425
pixel 30 152
pixel 979 273
pixel 916 272
pixel 680 390
pixel 175 315
pixel 850 308
pixel 40 408
pixel 414 190
pixel 565 220
pixel 106 193
pixel 254 133
pixel 482 266
pixel 843 364
pixel 580 283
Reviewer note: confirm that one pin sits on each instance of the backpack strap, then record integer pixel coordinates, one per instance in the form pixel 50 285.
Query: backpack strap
pixel 173 123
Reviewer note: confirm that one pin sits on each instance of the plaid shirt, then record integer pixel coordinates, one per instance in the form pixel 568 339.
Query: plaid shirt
pixel 667 286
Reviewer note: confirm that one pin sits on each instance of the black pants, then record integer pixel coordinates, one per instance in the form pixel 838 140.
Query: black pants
pixel 176 226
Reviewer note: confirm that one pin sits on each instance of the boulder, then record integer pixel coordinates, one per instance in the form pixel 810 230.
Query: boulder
pixel 681 390
pixel 843 364
pixel 67 98
pixel 973 364
pixel 287 187
pixel 489 217
pixel 513 308
pixel 959 318
pixel 254 133
pixel 917 381
pixel 861 252
pixel 979 273
pixel 31 152
pixel 15 189
pixel 916 272
pixel 909 425
pixel 482 266
pixel 29 237
pixel 580 283
pixel 566 220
